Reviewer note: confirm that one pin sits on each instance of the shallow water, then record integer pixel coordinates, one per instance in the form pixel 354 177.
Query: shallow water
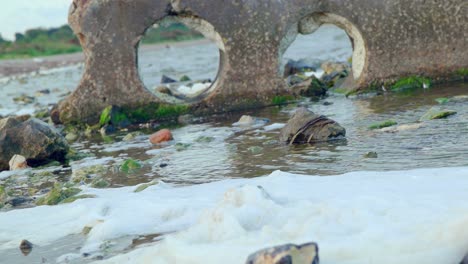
pixel 214 149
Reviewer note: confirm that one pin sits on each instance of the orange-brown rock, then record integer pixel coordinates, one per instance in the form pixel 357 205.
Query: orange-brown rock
pixel 162 135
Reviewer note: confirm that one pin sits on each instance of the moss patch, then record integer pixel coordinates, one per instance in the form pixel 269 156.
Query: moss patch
pixel 143 186
pixel 154 111
pixel 442 100
pixel 78 197
pixel 282 99
pixel 387 123
pixel 130 165
pixel 57 195
pixel 435 113
pixel 463 72
pixel 100 183
pixel 411 82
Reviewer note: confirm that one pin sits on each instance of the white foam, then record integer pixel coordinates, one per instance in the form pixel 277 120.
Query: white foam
pixel 417 216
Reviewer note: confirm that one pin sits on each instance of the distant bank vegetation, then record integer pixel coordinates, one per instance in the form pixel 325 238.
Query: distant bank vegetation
pixel 44 42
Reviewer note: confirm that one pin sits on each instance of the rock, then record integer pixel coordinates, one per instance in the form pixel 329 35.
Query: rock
pixel 333 79
pixel 57 194
pixel 38 142
pixel 26 247
pixel 293 67
pixel 307 127
pixel 71 136
pixel 24 99
pixel 162 135
pixel 286 254
pixel 184 78
pixel 255 150
pixel 442 100
pixel 204 139
pixel 384 124
pixel 316 89
pixel 310 87
pixel 329 67
pixel 164 90
pixel 404 127
pixel 247 120
pixel 295 79
pixel 18 162
pixel 165 79
pixel 436 113
pixel 132 136
pixel 55 115
pixel 17 201
pixel 107 130
pixel 371 155
pixel 130 165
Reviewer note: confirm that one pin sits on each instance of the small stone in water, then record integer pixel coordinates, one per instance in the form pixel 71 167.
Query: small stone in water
pixel 204 139
pixel 26 247
pixel 371 155
pixel 162 135
pixel 71 137
pixel 163 90
pixel 255 149
pixel 130 165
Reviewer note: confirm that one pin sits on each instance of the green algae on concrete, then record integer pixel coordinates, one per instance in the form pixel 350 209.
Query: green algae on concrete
pixel 411 82
pixel 282 99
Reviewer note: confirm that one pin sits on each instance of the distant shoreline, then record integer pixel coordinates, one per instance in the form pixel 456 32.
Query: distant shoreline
pixel 13 67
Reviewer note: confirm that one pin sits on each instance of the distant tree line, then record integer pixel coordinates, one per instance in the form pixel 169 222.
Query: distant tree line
pixel 43 42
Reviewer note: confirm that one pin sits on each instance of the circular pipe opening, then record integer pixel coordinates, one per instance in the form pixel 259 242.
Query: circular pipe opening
pixel 188 52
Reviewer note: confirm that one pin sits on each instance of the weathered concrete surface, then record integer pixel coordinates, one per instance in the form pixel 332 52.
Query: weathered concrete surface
pixel 391 38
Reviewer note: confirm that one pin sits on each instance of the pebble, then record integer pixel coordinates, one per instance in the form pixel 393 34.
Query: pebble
pixel 18 162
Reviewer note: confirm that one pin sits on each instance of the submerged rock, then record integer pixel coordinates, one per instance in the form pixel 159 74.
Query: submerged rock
pixel 435 113
pixel 38 142
pixel 307 127
pixel 371 155
pixel 162 135
pixel 286 254
pixel 26 247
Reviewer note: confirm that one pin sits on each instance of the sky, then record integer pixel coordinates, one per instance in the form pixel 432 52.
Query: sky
pixel 20 15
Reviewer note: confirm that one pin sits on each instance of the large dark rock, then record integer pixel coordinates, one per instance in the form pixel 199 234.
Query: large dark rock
pixel 38 142
pixel 307 127
pixel 286 254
